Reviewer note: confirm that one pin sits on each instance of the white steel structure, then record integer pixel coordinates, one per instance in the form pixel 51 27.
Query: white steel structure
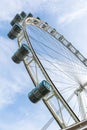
pixel 56 60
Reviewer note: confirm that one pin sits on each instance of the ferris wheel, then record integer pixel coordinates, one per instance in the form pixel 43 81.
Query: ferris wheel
pixel 57 69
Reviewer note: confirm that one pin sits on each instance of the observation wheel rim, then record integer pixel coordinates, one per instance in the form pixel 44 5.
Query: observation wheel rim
pixel 40 24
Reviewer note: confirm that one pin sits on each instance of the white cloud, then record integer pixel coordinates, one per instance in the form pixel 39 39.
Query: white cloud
pixel 34 119
pixel 67 18
pixel 64 10
pixel 8 8
pixel 11 7
pixel 13 81
pixel 51 6
pixel 78 11
pixel 24 124
pixel 9 88
pixel 19 125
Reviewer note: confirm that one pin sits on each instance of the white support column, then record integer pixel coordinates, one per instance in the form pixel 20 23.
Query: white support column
pixel 81 105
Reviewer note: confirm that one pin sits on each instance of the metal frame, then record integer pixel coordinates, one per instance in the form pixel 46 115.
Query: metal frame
pixel 78 126
pixel 24 36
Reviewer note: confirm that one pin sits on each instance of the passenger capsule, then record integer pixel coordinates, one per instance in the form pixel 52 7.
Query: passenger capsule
pixel 34 95
pixel 46 23
pixel 23 14
pixel 38 18
pixel 16 19
pixel 15 31
pixel 21 53
pixel 44 87
pixel 39 92
pixel 17 28
pixel 11 35
pixel 30 15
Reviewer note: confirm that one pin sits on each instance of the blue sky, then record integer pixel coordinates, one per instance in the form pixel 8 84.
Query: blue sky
pixel 70 19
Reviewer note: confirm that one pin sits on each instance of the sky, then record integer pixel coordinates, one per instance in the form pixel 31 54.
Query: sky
pixel 70 19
